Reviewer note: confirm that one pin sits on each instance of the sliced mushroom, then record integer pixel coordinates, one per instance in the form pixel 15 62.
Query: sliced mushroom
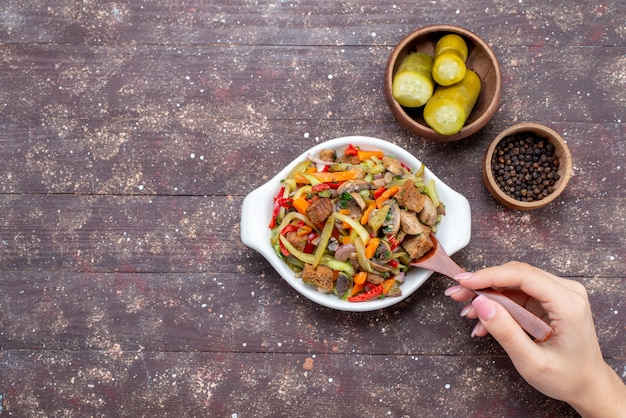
pixel 378 182
pixel 353 206
pixel 333 244
pixel 392 224
pixel 441 210
pixel 410 224
pixel 374 278
pixel 353 186
pixel 383 252
pixel 393 165
pixel 359 200
pixel 428 214
pixel 380 267
pixel 342 284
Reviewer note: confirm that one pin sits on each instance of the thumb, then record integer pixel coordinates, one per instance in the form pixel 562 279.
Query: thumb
pixel 499 323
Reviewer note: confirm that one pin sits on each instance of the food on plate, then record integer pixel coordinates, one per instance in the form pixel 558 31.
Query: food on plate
pixel 413 83
pixel 350 222
pixel 450 56
pixel 450 106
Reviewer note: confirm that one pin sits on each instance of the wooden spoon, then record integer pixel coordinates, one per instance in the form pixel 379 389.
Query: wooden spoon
pixel 439 261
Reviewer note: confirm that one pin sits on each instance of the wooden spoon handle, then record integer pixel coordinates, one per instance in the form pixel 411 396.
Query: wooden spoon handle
pixel 438 260
pixel 529 322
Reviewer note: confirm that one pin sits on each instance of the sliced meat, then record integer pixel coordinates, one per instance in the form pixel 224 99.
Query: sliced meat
pixel 299 242
pixel 411 225
pixel 319 210
pixel 410 197
pixel 328 155
pixel 321 276
pixel 417 245
pixel 349 159
pixel 393 165
pixel 428 214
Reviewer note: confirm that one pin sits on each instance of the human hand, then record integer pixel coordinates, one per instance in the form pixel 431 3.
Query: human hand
pixel 569 366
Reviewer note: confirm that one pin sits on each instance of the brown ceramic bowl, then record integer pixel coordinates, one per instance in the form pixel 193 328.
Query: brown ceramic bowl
pixel 561 153
pixel 480 58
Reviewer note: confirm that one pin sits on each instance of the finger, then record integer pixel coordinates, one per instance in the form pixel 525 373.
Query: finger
pixel 459 293
pixel 469 311
pixel 479 330
pixel 497 321
pixel 534 282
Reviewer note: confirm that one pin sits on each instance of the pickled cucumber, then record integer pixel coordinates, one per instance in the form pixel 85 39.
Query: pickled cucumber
pixel 450 106
pixel 413 83
pixel 450 56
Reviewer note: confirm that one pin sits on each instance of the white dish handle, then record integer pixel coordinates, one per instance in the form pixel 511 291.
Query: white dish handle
pixel 254 228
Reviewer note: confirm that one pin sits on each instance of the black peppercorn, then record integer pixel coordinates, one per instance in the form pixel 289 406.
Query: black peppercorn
pixel 524 166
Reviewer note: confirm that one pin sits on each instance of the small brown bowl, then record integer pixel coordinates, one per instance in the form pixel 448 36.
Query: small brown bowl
pixel 480 58
pixel 561 153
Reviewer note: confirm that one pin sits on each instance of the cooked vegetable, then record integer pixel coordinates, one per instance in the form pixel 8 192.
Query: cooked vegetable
pixel 449 64
pixel 377 218
pixel 365 236
pixel 340 229
pixel 360 255
pixel 328 177
pixel 343 252
pixel 384 196
pixel 413 83
pixel 371 248
pixel 356 289
pixel 300 203
pixel 326 260
pixel 450 106
pixel 366 155
pixel 368 295
pixel 387 285
pixel 366 214
pixel 360 277
pixel 323 242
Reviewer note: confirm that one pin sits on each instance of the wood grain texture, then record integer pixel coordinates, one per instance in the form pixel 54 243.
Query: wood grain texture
pixel 130 133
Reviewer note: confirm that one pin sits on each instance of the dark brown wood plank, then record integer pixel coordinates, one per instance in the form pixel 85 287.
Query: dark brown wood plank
pixel 307 23
pixel 143 383
pixel 252 312
pixel 39 159
pixel 174 89
pixel 132 234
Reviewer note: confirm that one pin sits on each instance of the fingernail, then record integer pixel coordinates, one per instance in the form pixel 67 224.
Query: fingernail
pixel 452 290
pixel 485 309
pixel 466 309
pixel 477 328
pixel 463 276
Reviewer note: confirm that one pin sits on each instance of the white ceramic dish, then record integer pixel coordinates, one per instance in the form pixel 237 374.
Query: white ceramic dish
pixel 453 232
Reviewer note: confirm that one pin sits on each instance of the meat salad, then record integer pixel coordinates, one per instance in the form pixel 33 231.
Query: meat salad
pixel 349 223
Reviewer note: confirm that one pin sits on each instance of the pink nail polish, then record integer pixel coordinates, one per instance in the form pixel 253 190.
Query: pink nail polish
pixel 477 328
pixel 463 276
pixel 466 309
pixel 485 309
pixel 452 290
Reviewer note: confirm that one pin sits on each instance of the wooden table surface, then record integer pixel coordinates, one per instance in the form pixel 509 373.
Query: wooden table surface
pixel 130 133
